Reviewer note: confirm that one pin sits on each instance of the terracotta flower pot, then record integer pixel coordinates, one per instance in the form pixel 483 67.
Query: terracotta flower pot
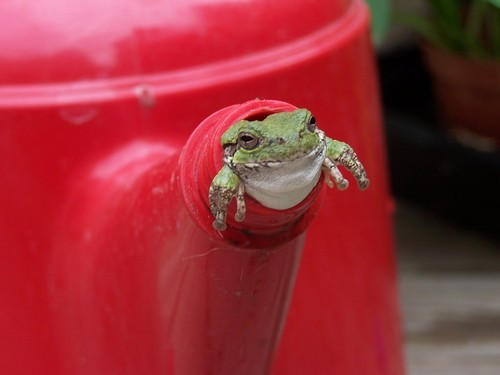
pixel 468 94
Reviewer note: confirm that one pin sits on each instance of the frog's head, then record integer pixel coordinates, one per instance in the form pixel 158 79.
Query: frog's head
pixel 278 159
pixel 279 138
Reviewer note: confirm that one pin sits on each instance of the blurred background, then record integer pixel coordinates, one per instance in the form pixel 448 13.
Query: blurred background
pixel 440 77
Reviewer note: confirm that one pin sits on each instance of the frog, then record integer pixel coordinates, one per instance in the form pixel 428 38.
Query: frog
pixel 278 160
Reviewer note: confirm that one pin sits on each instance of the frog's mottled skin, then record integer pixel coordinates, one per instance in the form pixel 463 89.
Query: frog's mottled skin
pixel 278 161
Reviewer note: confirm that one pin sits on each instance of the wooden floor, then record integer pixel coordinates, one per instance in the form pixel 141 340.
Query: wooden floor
pixel 450 292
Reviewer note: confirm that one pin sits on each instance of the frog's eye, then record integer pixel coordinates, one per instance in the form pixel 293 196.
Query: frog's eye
pixel 311 124
pixel 247 141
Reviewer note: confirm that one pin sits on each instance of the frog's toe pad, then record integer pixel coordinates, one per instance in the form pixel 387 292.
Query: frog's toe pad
pixel 363 184
pixel 342 184
pixel 219 225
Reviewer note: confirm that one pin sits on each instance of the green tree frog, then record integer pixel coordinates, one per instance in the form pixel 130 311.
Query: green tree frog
pixel 278 161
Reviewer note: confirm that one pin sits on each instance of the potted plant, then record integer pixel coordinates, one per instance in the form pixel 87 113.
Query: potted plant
pixel 461 46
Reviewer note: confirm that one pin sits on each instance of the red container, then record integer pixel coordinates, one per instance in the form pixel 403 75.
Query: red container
pixel 104 268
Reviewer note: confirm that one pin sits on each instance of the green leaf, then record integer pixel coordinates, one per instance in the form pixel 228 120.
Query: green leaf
pixel 380 11
pixel 473 28
pixel 495 3
pixel 424 27
pixel 493 20
pixel 466 27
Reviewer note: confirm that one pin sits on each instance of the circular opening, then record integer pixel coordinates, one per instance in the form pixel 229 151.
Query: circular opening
pixel 201 161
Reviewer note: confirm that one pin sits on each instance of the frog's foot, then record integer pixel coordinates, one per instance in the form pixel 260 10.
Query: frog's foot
pixel 349 160
pixel 331 171
pixel 220 198
pixel 224 187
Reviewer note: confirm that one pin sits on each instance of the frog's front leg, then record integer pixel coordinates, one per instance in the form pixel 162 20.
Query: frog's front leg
pixel 225 186
pixel 341 153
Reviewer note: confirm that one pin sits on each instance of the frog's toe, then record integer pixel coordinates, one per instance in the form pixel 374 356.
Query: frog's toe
pixel 240 204
pixel 332 173
pixel 342 184
pixel 328 179
pixel 219 225
pixel 363 184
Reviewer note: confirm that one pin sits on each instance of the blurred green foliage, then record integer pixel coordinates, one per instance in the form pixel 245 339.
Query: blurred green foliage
pixel 380 10
pixel 466 27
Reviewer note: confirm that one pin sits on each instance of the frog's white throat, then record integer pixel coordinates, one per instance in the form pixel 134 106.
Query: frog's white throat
pixel 282 185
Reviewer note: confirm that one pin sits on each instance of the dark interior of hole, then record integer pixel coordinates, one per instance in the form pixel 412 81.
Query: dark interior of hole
pixel 259 116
